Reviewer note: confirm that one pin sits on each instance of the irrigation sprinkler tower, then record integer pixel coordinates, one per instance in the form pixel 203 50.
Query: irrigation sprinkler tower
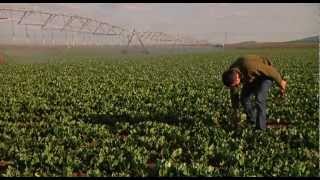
pixel 74 30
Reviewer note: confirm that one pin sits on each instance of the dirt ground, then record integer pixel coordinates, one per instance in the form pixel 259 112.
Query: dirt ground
pixel 2 59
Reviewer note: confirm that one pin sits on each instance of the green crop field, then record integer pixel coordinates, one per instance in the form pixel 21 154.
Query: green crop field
pixel 67 114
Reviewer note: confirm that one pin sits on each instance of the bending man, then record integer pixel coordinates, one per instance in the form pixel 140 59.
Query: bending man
pixel 256 74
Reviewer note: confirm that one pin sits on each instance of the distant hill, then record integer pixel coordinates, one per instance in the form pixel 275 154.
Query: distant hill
pixel 247 42
pixel 313 39
pixel 305 42
pixel 244 43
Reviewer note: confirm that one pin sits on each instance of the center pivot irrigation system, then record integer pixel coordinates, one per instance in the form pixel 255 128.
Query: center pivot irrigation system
pixel 76 30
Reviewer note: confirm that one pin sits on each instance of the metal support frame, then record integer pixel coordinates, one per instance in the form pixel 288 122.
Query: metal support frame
pixel 90 27
pixel 130 37
pixel 50 18
pixel 69 21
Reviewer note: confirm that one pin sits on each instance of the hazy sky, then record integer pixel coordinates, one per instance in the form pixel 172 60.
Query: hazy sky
pixel 242 21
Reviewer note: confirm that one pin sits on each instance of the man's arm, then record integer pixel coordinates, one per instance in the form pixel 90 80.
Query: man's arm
pixel 270 72
pixel 234 98
pixel 235 113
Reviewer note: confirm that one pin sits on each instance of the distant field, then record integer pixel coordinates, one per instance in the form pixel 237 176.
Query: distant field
pixel 44 54
pixel 89 112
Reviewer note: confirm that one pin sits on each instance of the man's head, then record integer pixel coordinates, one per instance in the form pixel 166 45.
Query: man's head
pixel 231 78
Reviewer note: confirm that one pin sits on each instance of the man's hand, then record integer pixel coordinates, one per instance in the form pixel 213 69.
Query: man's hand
pixel 283 86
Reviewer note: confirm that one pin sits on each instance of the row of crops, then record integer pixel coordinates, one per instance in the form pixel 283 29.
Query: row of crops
pixel 165 115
